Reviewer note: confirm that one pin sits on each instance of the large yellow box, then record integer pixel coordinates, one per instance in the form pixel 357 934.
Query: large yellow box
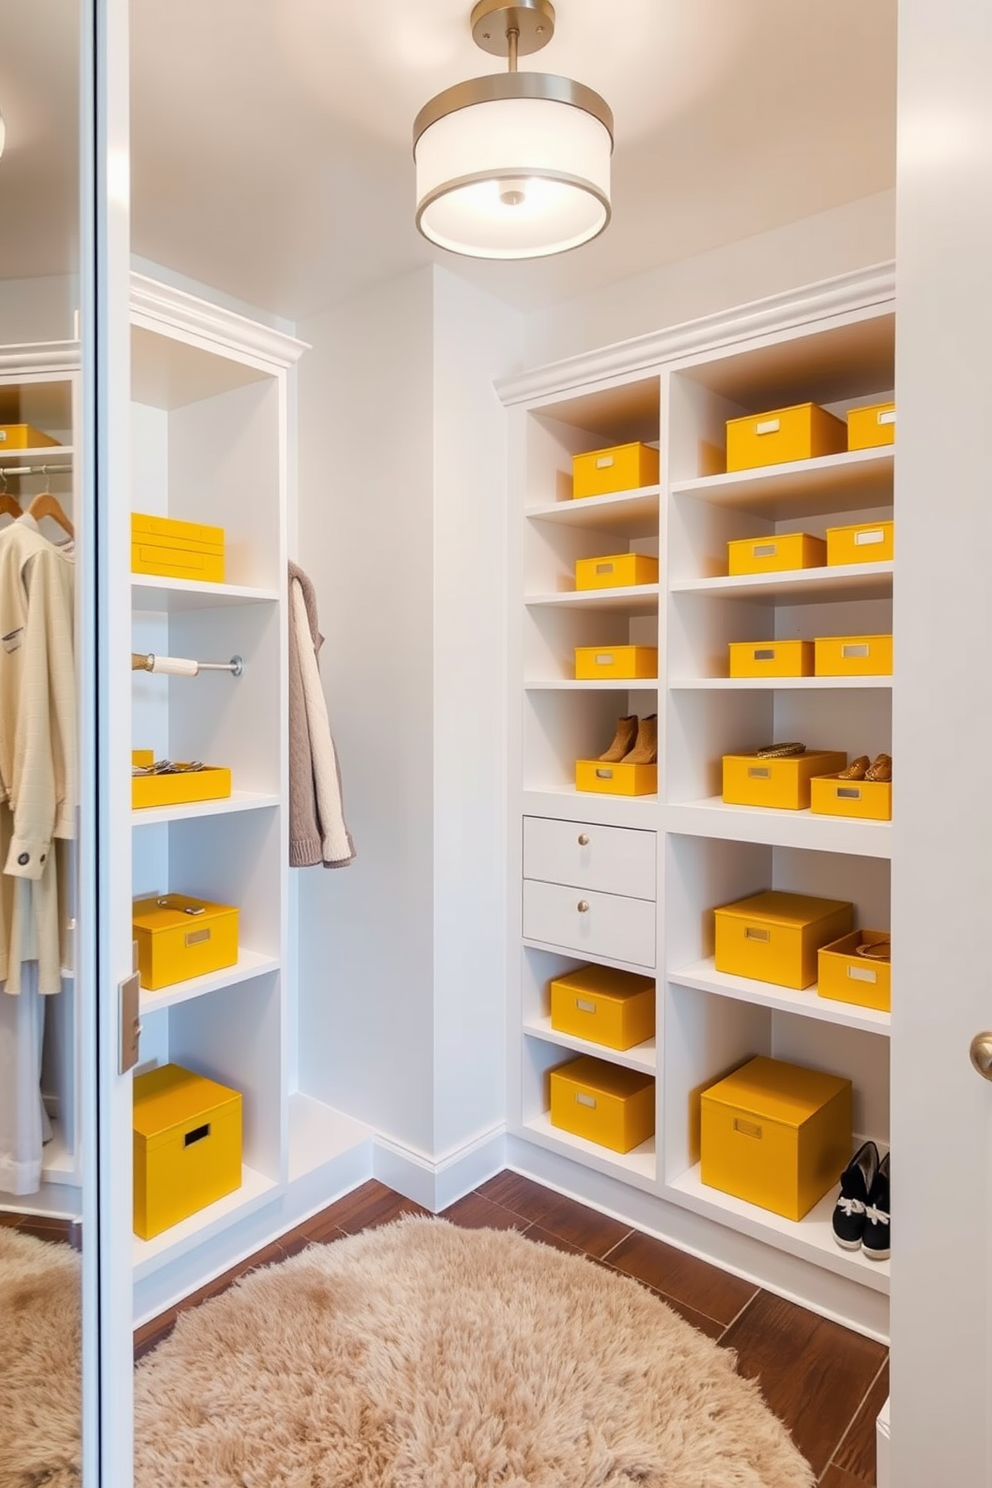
pixel 771 658
pixel 634 662
pixel 870 799
pixel 179 938
pixel 774 936
pixel 784 783
pixel 871 426
pixel 176 550
pixel 613 1008
pixel 616 780
pixel 865 542
pixel 778 554
pixel 782 435
pixel 853 656
pixel 616 571
pixel 187 1146
pixel 602 1102
pixel 212 783
pixel 776 1135
pixel 623 467
pixel 23 436
pixel 844 976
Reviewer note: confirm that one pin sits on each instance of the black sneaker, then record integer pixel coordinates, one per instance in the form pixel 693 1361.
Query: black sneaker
pixel 856 1183
pixel 875 1242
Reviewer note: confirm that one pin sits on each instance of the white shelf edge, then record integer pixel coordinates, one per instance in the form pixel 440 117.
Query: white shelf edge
pixel 712 817
pixel 249 964
pixel 780 684
pixel 564 950
pixel 256 1190
pixel 46 454
pixel 642 1057
pixel 702 976
pixel 148 816
pixel 595 598
pixel 842 465
pixel 846 578
pixel 616 503
pixel 638 1166
pixel 151 591
pixel 569 684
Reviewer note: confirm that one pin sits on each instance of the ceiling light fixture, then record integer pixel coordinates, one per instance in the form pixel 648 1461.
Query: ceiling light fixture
pixel 515 164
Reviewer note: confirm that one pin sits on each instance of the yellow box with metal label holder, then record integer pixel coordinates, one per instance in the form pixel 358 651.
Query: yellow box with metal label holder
pixel 777 554
pixel 802 432
pixel 869 799
pixel 774 936
pixel 616 571
pixel 187 1146
pixel 176 550
pixel 606 1006
pixel 179 938
pixel 871 426
pixel 23 436
pixel 864 542
pixel 634 662
pixel 776 1135
pixel 844 976
pixel 771 658
pixel 616 780
pixel 853 656
pixel 783 783
pixel 622 467
pixel 605 1103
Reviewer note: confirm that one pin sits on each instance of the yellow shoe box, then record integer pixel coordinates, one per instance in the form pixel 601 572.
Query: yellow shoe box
pixel 212 783
pixel 616 780
pixel 853 656
pixel 782 435
pixel 871 799
pixel 871 426
pixel 785 551
pixel 622 467
pixel 771 658
pixel 784 783
pixel 179 938
pixel 23 436
pixel 844 976
pixel 176 550
pixel 865 542
pixel 605 1103
pixel 776 1135
pixel 774 936
pixel 187 1146
pixel 613 1008
pixel 634 662
pixel 616 571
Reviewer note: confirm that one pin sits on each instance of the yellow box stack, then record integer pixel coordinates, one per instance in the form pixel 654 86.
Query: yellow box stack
pixel 176 550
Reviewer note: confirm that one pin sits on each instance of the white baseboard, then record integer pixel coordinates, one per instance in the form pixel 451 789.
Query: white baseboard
pixel 437 1182
pixel 883 1448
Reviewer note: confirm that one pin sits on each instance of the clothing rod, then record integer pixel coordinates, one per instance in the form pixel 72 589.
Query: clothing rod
pixel 6 470
pixel 180 666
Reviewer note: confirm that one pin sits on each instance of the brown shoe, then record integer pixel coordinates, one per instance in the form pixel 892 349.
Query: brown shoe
pixel 623 740
pixel 880 769
pixel 857 769
pixel 645 751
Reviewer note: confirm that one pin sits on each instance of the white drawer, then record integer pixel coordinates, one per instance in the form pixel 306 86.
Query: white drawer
pixel 610 925
pixel 615 860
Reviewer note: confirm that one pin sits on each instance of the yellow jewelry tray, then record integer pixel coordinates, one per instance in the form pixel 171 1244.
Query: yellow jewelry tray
pixel 209 784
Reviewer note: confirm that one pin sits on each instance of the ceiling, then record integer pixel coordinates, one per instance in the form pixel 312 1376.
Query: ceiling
pixel 271 144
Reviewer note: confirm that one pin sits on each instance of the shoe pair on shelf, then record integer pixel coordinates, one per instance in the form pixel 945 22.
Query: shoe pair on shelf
pixel 862 768
pixel 635 741
pixel 861 1214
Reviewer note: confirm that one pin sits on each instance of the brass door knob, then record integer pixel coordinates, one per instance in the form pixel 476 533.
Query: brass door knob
pixel 981 1054
pixel 582 906
pixel 583 839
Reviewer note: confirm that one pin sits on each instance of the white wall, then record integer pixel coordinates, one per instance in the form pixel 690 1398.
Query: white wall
pixel 38 309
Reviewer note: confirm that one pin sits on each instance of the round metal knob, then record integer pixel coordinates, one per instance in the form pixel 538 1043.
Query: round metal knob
pixel 583 839
pixel 981 1054
pixel 582 906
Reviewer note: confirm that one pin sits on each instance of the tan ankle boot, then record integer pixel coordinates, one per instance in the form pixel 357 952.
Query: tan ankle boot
pixel 623 740
pixel 645 751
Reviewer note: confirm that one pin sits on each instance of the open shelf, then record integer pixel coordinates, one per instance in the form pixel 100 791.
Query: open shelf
pixel 255 1191
pixel 637 1167
pixel 151 593
pixel 249 964
pixel 800 586
pixel 855 481
pixel 633 599
pixel 777 684
pixel 45 454
pixel 779 828
pixel 630 513
pixel 641 1057
pixel 237 801
pixel 608 684
pixel 318 1134
pixel 703 977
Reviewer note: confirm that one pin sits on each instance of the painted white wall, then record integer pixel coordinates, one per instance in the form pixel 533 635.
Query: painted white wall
pixel 42 309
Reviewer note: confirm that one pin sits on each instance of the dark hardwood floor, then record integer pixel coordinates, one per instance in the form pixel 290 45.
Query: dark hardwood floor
pixel 45 1227
pixel 826 1383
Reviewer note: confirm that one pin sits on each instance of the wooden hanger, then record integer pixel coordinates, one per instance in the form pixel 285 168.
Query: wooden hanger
pixel 9 505
pixel 47 505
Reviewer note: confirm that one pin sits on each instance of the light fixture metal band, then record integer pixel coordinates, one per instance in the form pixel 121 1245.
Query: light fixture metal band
pixel 473 179
pixel 496 86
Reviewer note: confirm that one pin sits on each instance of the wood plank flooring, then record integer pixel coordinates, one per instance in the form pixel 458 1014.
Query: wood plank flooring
pixel 45 1227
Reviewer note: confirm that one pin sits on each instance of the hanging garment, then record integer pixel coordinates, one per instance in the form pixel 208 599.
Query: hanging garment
pixel 317 830
pixel 24 1123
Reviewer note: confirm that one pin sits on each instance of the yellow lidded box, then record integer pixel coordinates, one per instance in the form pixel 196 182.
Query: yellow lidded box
pixel 776 1135
pixel 784 783
pixel 179 938
pixel 871 426
pixel 212 783
pixel 865 542
pixel 616 780
pixel 623 467
pixel 784 551
pixel 615 571
pixel 870 799
pixel 635 662
pixel 23 436
pixel 771 658
pixel 774 936
pixel 187 1146
pixel 847 977
pixel 783 434
pixel 613 1008
pixel 176 550
pixel 602 1102
pixel 854 656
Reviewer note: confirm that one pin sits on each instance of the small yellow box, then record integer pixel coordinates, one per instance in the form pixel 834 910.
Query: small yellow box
pixel 771 658
pixel 871 799
pixel 176 550
pixel 605 1103
pixel 616 780
pixel 774 936
pixel 865 542
pixel 623 467
pixel 212 783
pixel 613 1008
pixel 844 976
pixel 23 436
pixel 871 426
pixel 776 1135
pixel 782 435
pixel 187 1146
pixel 179 938
pixel 784 551
pixel 633 662
pixel 616 571
pixel 142 758
pixel 854 656
pixel 784 783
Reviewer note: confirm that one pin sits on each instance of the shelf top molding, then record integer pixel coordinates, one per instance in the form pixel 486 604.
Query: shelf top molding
pixel 842 295
pixel 40 356
pixel 160 307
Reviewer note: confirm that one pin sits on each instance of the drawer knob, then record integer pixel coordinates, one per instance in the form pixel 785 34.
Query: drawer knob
pixel 583 906
pixel 583 839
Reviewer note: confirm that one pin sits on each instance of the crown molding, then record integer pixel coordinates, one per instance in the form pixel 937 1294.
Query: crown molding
pixel 41 356
pixel 778 313
pixel 155 305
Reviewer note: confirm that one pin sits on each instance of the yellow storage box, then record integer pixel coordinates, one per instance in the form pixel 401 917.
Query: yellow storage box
pixel 179 938
pixel 212 783
pixel 847 977
pixel 854 656
pixel 865 542
pixel 605 1103
pixel 616 780
pixel 776 1135
pixel 771 658
pixel 784 783
pixel 778 554
pixel 613 1008
pixel 871 799
pixel 634 662
pixel 782 435
pixel 187 1146
pixel 623 467
pixel 23 436
pixel 616 571
pixel 871 426
pixel 774 936
pixel 176 550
